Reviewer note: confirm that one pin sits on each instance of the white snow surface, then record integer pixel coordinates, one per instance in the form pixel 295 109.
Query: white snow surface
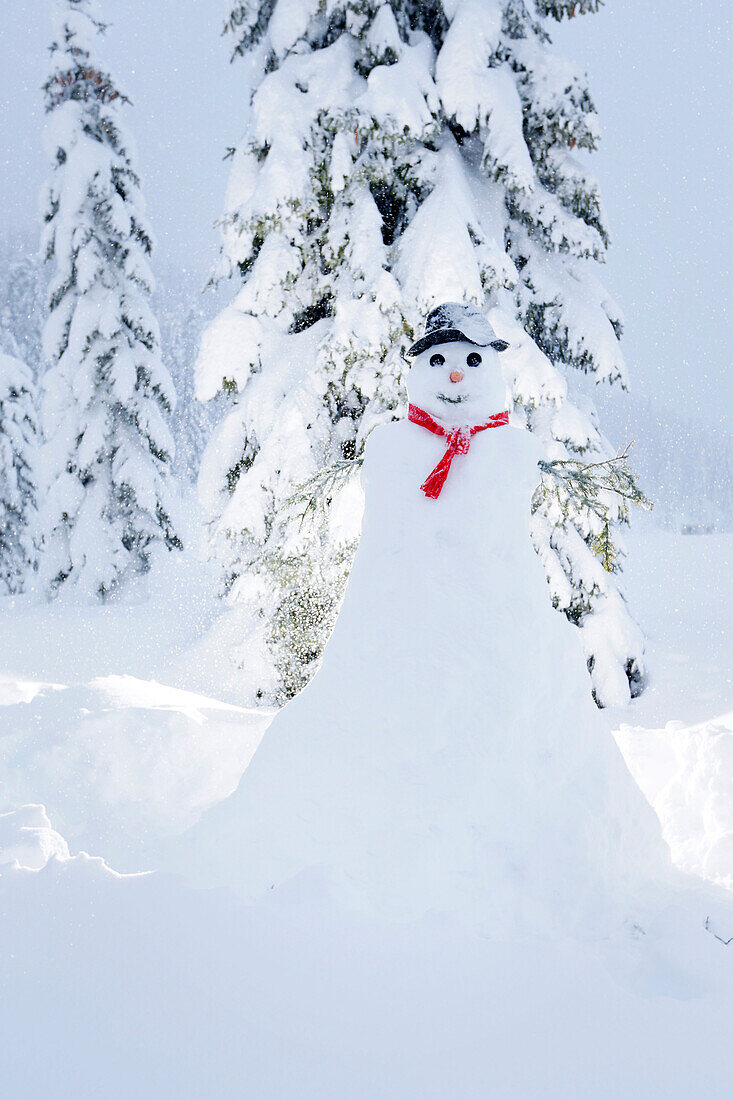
pixel 139 985
pixel 120 758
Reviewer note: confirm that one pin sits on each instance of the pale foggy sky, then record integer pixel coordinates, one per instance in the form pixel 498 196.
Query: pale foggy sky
pixel 660 76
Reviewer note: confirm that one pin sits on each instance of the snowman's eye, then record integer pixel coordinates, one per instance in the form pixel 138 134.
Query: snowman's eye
pixel 437 360
pixel 473 359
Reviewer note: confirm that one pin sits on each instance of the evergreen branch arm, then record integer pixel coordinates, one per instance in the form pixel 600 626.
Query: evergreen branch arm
pixel 583 482
pixel 315 494
pixel 573 488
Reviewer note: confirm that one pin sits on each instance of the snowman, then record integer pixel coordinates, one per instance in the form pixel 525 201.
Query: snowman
pixel 447 757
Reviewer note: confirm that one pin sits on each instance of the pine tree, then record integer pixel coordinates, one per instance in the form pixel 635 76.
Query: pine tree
pixel 107 396
pixel 400 154
pixel 17 479
pixel 22 301
pixel 192 422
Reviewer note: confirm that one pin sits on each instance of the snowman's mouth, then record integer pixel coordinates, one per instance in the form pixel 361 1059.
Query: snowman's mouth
pixel 452 400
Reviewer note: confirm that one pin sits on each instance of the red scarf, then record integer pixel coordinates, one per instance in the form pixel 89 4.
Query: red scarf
pixel 459 443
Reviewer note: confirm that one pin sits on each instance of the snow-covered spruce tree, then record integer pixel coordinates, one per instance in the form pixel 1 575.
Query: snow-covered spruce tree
pixel 17 477
pixel 399 154
pixel 192 422
pixel 107 396
pixel 22 300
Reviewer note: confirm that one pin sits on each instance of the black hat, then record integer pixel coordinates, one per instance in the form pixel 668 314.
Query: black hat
pixel 451 322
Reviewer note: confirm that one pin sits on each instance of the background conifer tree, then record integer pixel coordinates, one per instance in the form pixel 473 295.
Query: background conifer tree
pixel 17 476
pixel 399 154
pixel 107 396
pixel 23 300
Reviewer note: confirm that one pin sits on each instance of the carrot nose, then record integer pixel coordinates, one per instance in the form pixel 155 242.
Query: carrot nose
pixel 456 375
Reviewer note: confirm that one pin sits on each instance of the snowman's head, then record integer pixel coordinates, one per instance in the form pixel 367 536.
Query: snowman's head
pixel 456 376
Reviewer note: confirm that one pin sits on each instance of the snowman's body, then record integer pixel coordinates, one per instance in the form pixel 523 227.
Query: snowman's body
pixel 448 755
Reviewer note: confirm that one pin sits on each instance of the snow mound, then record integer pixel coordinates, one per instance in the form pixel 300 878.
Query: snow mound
pixel 120 761
pixel 28 842
pixel 27 839
pixel 686 772
pixel 14 690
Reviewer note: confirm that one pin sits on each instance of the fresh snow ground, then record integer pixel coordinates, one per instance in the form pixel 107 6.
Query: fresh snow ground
pixel 118 718
pixel 122 986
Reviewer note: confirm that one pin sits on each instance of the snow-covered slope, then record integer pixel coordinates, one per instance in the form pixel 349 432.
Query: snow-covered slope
pixel 121 986
pixel 137 985
pixel 134 986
